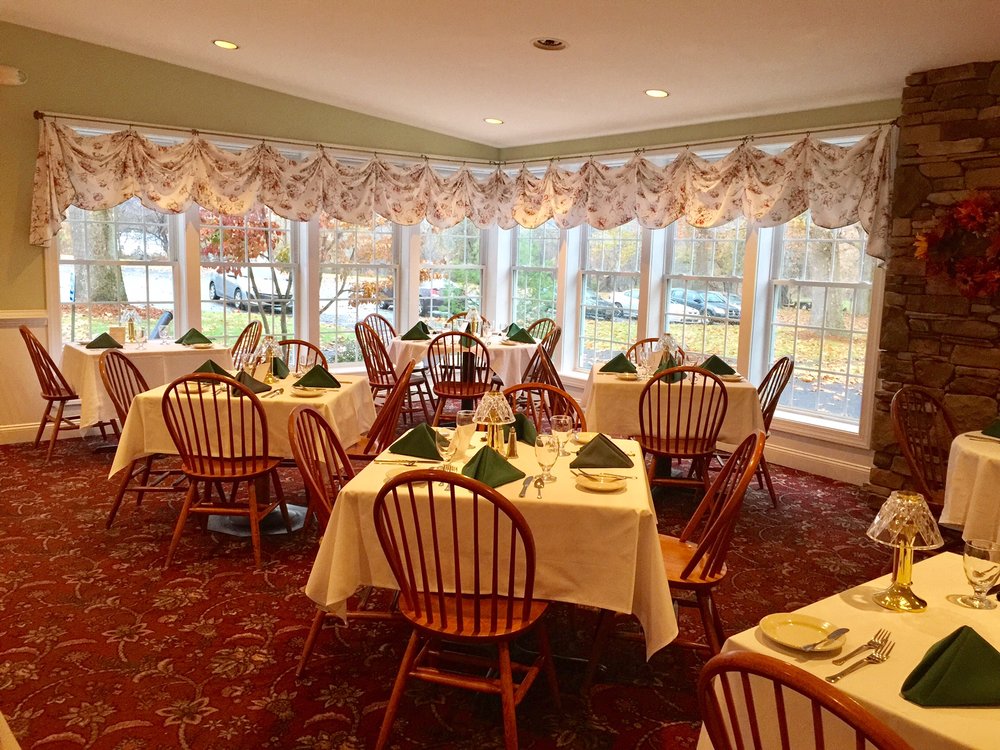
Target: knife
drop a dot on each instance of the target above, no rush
(829, 639)
(525, 486)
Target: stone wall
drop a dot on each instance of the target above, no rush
(949, 144)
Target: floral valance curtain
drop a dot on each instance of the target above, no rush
(840, 185)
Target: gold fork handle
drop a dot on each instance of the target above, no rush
(860, 649)
(853, 668)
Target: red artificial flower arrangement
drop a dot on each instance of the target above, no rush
(964, 243)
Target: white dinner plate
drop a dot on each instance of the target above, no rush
(598, 482)
(731, 378)
(306, 392)
(627, 375)
(202, 346)
(582, 438)
(795, 631)
(508, 342)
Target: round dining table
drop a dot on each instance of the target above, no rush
(507, 358)
(970, 490)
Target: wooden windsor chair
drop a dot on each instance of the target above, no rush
(459, 364)
(462, 315)
(540, 402)
(925, 430)
(769, 393)
(759, 689)
(382, 376)
(123, 382)
(641, 350)
(382, 433)
(464, 560)
(220, 430)
(302, 355)
(681, 420)
(246, 343)
(381, 326)
(540, 369)
(541, 328)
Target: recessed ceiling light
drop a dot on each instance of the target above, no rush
(549, 44)
(493, 121)
(657, 93)
(223, 44)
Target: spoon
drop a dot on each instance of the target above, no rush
(539, 483)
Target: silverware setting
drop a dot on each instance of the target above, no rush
(404, 462)
(524, 487)
(275, 392)
(881, 637)
(600, 475)
(830, 638)
(539, 483)
(983, 438)
(876, 657)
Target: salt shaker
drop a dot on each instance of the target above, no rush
(512, 443)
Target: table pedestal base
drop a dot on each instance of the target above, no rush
(272, 523)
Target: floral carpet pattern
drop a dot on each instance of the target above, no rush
(102, 648)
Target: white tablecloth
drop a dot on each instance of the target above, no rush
(877, 686)
(971, 502)
(158, 363)
(596, 549)
(349, 409)
(506, 360)
(612, 406)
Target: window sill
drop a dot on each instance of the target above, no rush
(808, 425)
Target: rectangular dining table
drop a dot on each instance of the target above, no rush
(593, 548)
(159, 364)
(611, 405)
(349, 409)
(970, 489)
(877, 686)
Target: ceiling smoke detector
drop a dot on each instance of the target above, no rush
(11, 76)
(549, 44)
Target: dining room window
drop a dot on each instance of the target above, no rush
(359, 270)
(451, 270)
(534, 272)
(609, 281)
(110, 260)
(819, 314)
(704, 277)
(247, 273)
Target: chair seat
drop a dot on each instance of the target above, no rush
(461, 390)
(676, 555)
(471, 631)
(63, 394)
(227, 471)
(678, 448)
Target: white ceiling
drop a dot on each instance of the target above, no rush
(445, 65)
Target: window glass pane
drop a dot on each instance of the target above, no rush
(704, 280)
(533, 286)
(247, 273)
(819, 316)
(358, 272)
(109, 260)
(609, 292)
(451, 273)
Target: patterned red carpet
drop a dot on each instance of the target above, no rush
(101, 648)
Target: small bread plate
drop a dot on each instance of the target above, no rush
(795, 631)
(731, 378)
(582, 438)
(627, 375)
(199, 387)
(202, 346)
(396, 471)
(508, 342)
(600, 482)
(304, 391)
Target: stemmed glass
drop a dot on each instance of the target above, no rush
(562, 426)
(465, 427)
(447, 445)
(982, 567)
(547, 453)
(140, 338)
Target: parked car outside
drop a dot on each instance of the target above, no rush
(678, 312)
(627, 303)
(442, 297)
(713, 305)
(240, 291)
(595, 306)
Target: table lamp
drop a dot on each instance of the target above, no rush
(266, 353)
(494, 412)
(904, 522)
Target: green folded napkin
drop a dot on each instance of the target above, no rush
(524, 428)
(601, 453)
(521, 336)
(104, 341)
(620, 363)
(250, 382)
(193, 336)
(420, 442)
(962, 669)
(419, 332)
(717, 366)
(278, 368)
(667, 362)
(489, 467)
(213, 367)
(318, 377)
(467, 341)
(511, 329)
(992, 429)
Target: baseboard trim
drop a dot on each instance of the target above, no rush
(825, 466)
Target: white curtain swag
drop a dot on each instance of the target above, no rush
(839, 185)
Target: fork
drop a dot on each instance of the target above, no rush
(878, 656)
(877, 640)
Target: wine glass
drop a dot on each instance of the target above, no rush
(465, 427)
(447, 445)
(547, 453)
(140, 338)
(562, 426)
(982, 567)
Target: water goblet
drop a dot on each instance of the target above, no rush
(562, 426)
(447, 445)
(140, 338)
(981, 559)
(465, 428)
(547, 453)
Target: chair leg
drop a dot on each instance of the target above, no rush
(397, 690)
(545, 649)
(41, 425)
(317, 625)
(439, 411)
(55, 430)
(252, 486)
(280, 494)
(144, 479)
(424, 392)
(762, 469)
(507, 698)
(711, 622)
(605, 624)
(121, 493)
(181, 519)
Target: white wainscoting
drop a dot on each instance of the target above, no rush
(20, 405)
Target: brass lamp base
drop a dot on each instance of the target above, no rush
(899, 598)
